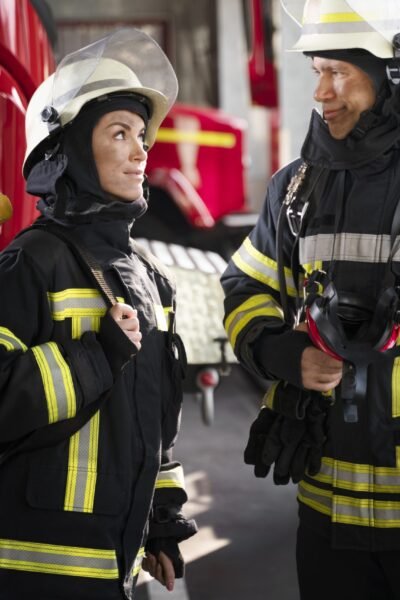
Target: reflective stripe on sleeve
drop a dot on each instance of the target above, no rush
(57, 382)
(82, 467)
(58, 560)
(171, 479)
(10, 341)
(261, 305)
(137, 564)
(260, 267)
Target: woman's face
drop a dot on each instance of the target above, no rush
(119, 154)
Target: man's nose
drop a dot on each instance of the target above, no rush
(324, 90)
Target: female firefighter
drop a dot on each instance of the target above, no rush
(312, 302)
(90, 391)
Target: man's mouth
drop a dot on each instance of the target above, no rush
(331, 114)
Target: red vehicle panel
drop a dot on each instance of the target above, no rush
(26, 59)
(206, 146)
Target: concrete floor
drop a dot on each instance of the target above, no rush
(246, 542)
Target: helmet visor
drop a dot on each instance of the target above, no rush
(132, 48)
(294, 9)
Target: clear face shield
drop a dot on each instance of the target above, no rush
(127, 61)
(145, 64)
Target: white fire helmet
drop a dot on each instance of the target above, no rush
(343, 24)
(126, 61)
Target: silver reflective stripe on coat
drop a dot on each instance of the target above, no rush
(351, 247)
(82, 467)
(58, 560)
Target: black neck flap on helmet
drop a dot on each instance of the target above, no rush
(67, 179)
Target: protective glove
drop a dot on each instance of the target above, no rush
(292, 441)
(267, 423)
(170, 547)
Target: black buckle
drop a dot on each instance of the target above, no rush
(295, 217)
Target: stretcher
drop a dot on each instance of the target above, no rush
(199, 316)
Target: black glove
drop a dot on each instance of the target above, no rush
(294, 444)
(170, 547)
(168, 527)
(259, 431)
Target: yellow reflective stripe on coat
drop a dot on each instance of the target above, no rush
(261, 305)
(10, 341)
(396, 386)
(172, 478)
(58, 560)
(161, 317)
(82, 467)
(76, 302)
(260, 267)
(137, 564)
(57, 382)
(84, 306)
(366, 512)
(359, 477)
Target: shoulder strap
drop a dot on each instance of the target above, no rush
(293, 210)
(83, 256)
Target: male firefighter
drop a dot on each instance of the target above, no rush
(312, 305)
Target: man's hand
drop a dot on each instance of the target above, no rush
(161, 569)
(126, 318)
(319, 371)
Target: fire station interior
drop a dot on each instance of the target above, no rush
(235, 123)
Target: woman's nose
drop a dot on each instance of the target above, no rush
(137, 151)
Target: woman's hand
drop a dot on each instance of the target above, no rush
(126, 318)
(160, 568)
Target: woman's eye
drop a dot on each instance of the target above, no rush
(120, 135)
(142, 137)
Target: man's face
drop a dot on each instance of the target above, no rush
(344, 91)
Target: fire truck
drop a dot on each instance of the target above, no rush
(199, 209)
